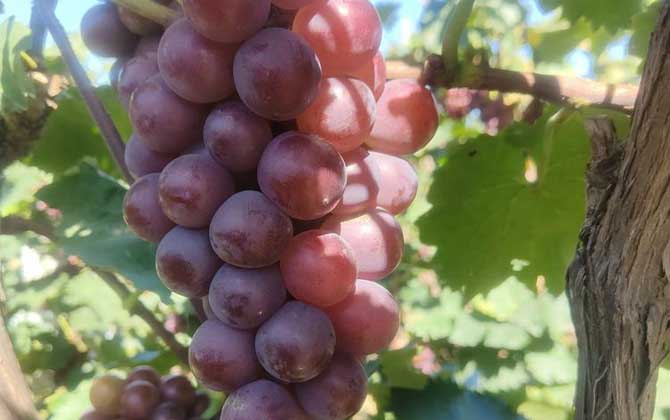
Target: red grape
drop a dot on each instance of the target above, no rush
(142, 211)
(168, 411)
(277, 74)
(264, 400)
(200, 405)
(196, 68)
(303, 175)
(295, 4)
(186, 263)
(342, 113)
(398, 183)
(143, 161)
(135, 72)
(367, 321)
(104, 34)
(249, 231)
(236, 137)
(223, 358)
(227, 21)
(105, 394)
(167, 123)
(363, 183)
(319, 268)
(296, 344)
(192, 187)
(344, 33)
(139, 399)
(178, 389)
(338, 393)
(373, 73)
(144, 373)
(458, 102)
(406, 120)
(246, 298)
(376, 239)
(148, 44)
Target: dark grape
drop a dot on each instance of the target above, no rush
(236, 137)
(246, 298)
(296, 344)
(262, 400)
(94, 415)
(398, 183)
(105, 394)
(178, 390)
(342, 113)
(141, 160)
(166, 122)
(277, 74)
(192, 187)
(250, 231)
(280, 18)
(139, 399)
(406, 119)
(134, 73)
(196, 68)
(344, 33)
(227, 21)
(373, 74)
(186, 263)
(338, 393)
(207, 308)
(144, 373)
(168, 411)
(363, 183)
(367, 321)
(375, 237)
(303, 175)
(138, 24)
(200, 405)
(496, 115)
(223, 358)
(148, 44)
(142, 211)
(104, 34)
(319, 268)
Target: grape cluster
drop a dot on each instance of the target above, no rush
(267, 150)
(145, 395)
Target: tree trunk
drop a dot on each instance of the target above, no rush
(15, 398)
(618, 287)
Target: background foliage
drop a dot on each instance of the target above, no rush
(486, 326)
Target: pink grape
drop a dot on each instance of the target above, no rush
(295, 4)
(363, 183)
(243, 298)
(142, 211)
(407, 118)
(375, 237)
(398, 182)
(227, 21)
(104, 34)
(196, 68)
(373, 73)
(344, 33)
(167, 123)
(192, 187)
(236, 137)
(143, 161)
(135, 72)
(186, 263)
(223, 358)
(264, 400)
(249, 231)
(319, 268)
(277, 74)
(342, 113)
(367, 321)
(302, 175)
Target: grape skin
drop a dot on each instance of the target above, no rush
(296, 344)
(186, 263)
(139, 399)
(373, 74)
(295, 4)
(375, 237)
(178, 390)
(407, 118)
(227, 21)
(223, 358)
(319, 268)
(142, 211)
(168, 411)
(363, 183)
(105, 394)
(104, 34)
(398, 183)
(302, 175)
(342, 113)
(147, 44)
(144, 373)
(192, 187)
(277, 74)
(244, 298)
(141, 160)
(367, 321)
(134, 73)
(264, 400)
(194, 67)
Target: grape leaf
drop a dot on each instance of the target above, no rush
(509, 205)
(611, 14)
(399, 371)
(15, 87)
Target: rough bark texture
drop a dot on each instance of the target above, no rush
(618, 287)
(15, 398)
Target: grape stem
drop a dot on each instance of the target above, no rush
(95, 107)
(456, 22)
(151, 10)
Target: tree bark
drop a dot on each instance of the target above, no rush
(617, 285)
(15, 397)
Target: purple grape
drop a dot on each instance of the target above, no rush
(148, 44)
(264, 400)
(104, 34)
(168, 411)
(144, 373)
(142, 211)
(178, 390)
(227, 21)
(143, 161)
(134, 73)
(139, 400)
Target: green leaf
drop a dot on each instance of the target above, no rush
(19, 183)
(643, 25)
(93, 227)
(538, 410)
(427, 317)
(489, 220)
(612, 14)
(557, 366)
(15, 85)
(68, 405)
(399, 371)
